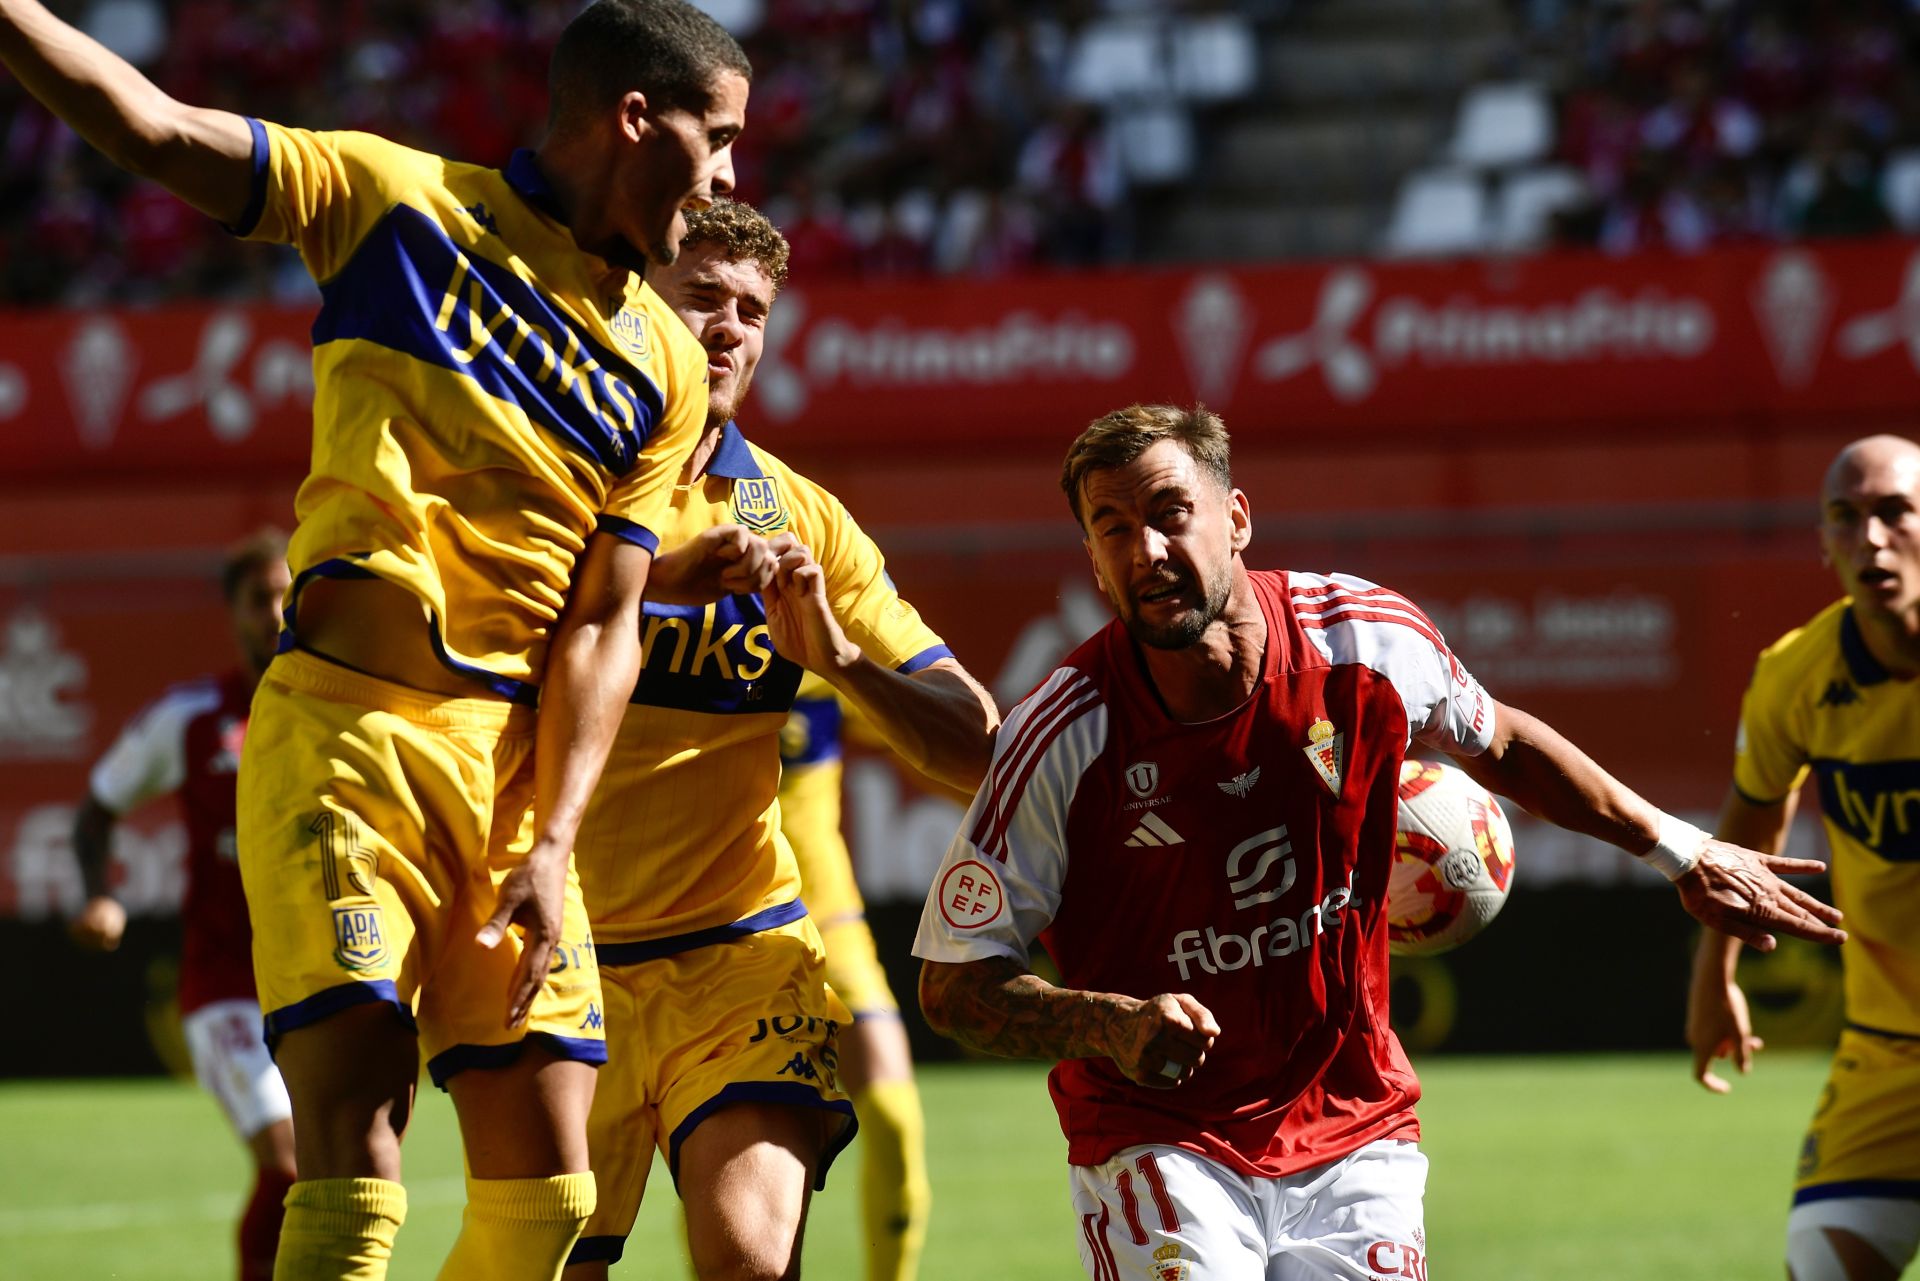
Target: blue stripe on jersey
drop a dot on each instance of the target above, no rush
(257, 182)
(673, 944)
(925, 658)
(632, 531)
(823, 717)
(409, 288)
(1896, 1189)
(1877, 803)
(713, 658)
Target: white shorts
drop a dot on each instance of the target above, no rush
(230, 1057)
(1158, 1213)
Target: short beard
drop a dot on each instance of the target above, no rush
(1186, 632)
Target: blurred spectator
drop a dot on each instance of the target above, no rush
(1702, 123)
(942, 118)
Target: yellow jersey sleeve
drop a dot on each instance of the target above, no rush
(1769, 749)
(322, 192)
(636, 506)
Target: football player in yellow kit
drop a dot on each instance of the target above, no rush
(501, 411)
(876, 1063)
(1840, 697)
(721, 1027)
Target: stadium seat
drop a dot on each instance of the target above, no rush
(1438, 212)
(1155, 143)
(1214, 57)
(1116, 60)
(1527, 202)
(1900, 188)
(1501, 125)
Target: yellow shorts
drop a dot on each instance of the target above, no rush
(375, 823)
(749, 1020)
(810, 820)
(1865, 1137)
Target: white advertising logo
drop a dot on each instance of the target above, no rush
(1268, 848)
(35, 672)
(1869, 335)
(1019, 347)
(1212, 326)
(1466, 333)
(97, 368)
(1793, 302)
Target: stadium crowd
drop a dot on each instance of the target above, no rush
(888, 138)
(1697, 123)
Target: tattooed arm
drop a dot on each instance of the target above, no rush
(998, 1006)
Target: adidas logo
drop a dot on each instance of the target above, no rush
(1153, 830)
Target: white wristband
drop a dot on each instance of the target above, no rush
(1678, 848)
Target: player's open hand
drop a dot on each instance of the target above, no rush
(1162, 1042)
(800, 620)
(1718, 1026)
(100, 925)
(531, 896)
(1739, 892)
(723, 561)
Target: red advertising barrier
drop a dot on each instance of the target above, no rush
(1748, 337)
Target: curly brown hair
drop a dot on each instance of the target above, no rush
(743, 233)
(1123, 435)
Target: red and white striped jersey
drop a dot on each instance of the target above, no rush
(1243, 861)
(187, 742)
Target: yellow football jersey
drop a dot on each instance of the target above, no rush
(480, 408)
(1819, 700)
(681, 844)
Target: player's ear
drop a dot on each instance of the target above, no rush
(635, 122)
(1241, 516)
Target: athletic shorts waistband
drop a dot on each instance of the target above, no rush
(305, 672)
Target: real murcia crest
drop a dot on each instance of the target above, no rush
(1327, 750)
(1240, 784)
(1168, 1265)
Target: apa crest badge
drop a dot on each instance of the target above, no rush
(757, 504)
(630, 330)
(360, 937)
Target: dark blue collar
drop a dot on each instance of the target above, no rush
(733, 458)
(524, 176)
(1866, 669)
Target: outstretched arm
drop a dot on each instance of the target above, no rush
(938, 719)
(593, 663)
(1718, 1025)
(1726, 887)
(998, 1006)
(203, 156)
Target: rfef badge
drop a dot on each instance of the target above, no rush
(757, 504)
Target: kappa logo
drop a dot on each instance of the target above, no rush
(1838, 694)
(1240, 784)
(1143, 778)
(594, 1020)
(1154, 831)
(479, 212)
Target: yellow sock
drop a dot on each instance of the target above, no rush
(894, 1193)
(339, 1230)
(519, 1229)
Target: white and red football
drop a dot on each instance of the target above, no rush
(1452, 860)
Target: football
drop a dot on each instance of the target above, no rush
(1452, 860)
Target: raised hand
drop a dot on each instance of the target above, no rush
(723, 561)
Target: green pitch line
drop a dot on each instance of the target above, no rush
(1596, 1166)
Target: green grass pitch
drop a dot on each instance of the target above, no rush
(1541, 1167)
